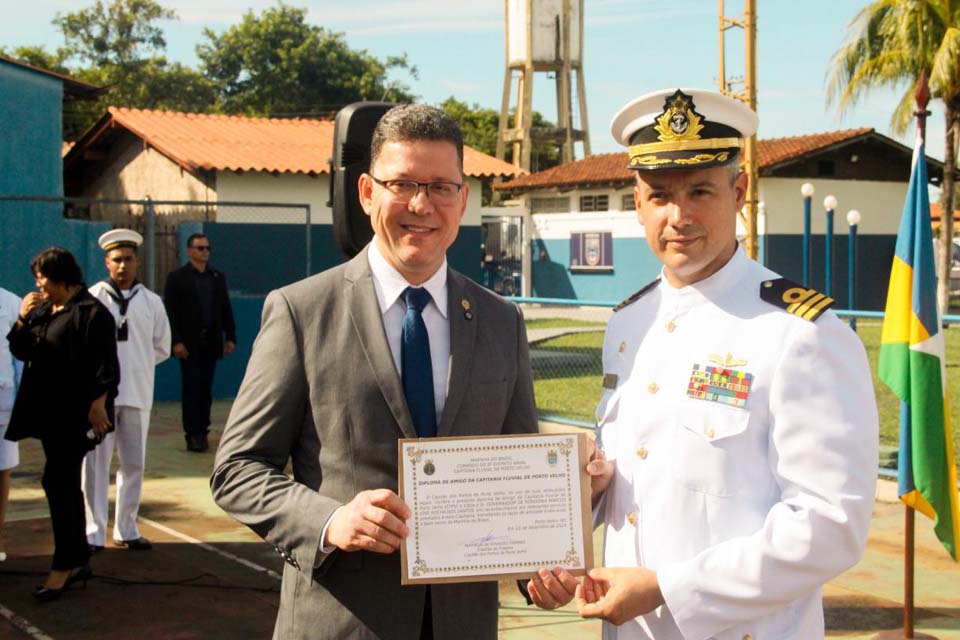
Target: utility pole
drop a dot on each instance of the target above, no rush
(748, 94)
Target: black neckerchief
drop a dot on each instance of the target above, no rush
(118, 297)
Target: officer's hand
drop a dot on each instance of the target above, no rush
(618, 594)
(600, 471)
(372, 521)
(552, 589)
(180, 351)
(228, 347)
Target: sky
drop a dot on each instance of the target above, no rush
(630, 47)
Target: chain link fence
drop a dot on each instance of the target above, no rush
(259, 245)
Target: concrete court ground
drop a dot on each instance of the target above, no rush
(210, 578)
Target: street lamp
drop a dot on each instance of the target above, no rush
(830, 204)
(853, 219)
(807, 191)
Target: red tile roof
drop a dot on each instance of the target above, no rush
(777, 150)
(240, 143)
(610, 168)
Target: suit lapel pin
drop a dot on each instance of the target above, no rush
(466, 309)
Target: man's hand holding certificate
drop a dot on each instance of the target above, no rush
(487, 508)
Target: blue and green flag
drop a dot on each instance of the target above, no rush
(912, 364)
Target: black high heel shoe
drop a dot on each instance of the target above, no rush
(49, 594)
(83, 574)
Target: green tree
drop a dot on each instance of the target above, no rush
(121, 34)
(38, 56)
(119, 44)
(890, 43)
(275, 63)
(481, 127)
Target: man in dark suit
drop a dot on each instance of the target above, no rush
(201, 321)
(338, 374)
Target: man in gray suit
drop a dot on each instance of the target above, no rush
(339, 372)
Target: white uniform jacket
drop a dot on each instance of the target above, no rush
(147, 345)
(9, 366)
(744, 506)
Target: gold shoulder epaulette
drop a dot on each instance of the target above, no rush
(795, 298)
(636, 295)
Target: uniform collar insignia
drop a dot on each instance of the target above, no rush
(728, 362)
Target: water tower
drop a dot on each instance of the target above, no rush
(544, 36)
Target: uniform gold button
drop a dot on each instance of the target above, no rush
(747, 636)
(652, 387)
(710, 432)
(623, 347)
(642, 453)
(670, 326)
(632, 518)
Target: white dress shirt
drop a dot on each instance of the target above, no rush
(390, 285)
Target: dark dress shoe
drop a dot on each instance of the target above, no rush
(140, 544)
(95, 548)
(194, 443)
(204, 442)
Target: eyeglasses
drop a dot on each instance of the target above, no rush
(442, 193)
(202, 247)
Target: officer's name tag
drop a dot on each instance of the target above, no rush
(719, 384)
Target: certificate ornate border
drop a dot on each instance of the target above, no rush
(566, 447)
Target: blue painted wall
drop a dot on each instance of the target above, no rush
(30, 165)
(634, 265)
(259, 258)
(784, 254)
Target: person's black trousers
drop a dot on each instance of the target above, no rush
(196, 375)
(61, 483)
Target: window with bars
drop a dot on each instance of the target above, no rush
(591, 251)
(627, 203)
(557, 204)
(595, 203)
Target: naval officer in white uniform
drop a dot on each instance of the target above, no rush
(737, 418)
(143, 341)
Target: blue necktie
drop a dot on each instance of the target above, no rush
(415, 367)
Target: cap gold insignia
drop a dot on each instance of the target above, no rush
(727, 362)
(679, 122)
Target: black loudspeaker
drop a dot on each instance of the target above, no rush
(352, 132)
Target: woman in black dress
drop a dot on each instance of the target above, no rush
(68, 341)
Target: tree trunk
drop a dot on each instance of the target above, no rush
(947, 204)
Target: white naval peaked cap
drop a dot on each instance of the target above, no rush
(683, 129)
(120, 238)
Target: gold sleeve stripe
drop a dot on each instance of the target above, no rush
(804, 306)
(818, 309)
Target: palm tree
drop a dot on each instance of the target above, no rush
(889, 43)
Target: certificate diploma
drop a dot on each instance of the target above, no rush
(494, 507)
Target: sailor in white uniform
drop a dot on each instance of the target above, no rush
(143, 341)
(737, 419)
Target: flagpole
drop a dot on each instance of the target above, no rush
(922, 97)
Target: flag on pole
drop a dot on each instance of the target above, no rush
(912, 364)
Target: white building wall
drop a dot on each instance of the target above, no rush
(880, 204)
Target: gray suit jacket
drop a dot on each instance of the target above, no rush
(322, 391)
